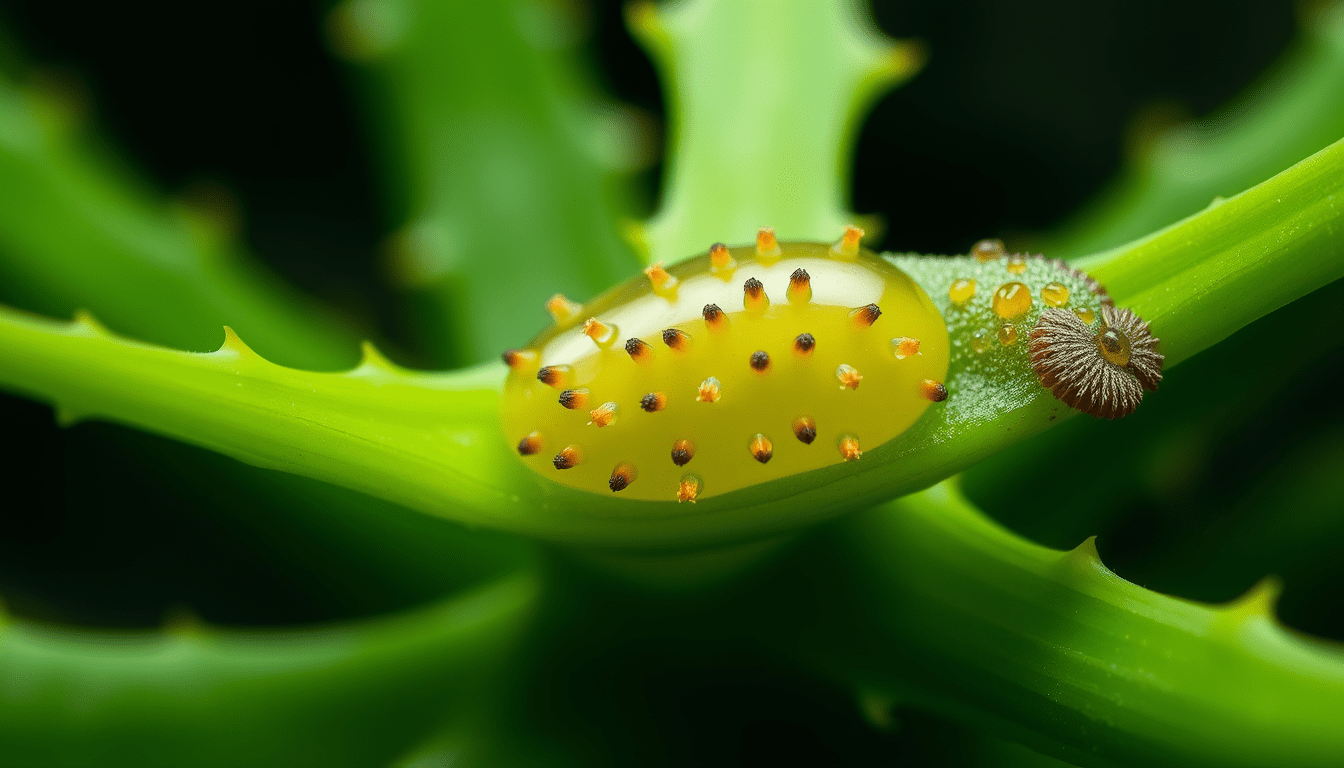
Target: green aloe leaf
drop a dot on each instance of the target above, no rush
(945, 610)
(1294, 109)
(504, 164)
(79, 232)
(346, 695)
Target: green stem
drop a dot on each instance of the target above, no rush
(945, 609)
(1198, 281)
(433, 442)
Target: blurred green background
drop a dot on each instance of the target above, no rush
(1024, 113)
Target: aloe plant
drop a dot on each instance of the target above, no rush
(879, 579)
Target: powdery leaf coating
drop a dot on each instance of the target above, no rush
(1068, 359)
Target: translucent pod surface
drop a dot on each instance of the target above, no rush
(738, 367)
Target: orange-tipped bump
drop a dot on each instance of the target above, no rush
(602, 334)
(849, 448)
(562, 309)
(904, 346)
(689, 489)
(849, 377)
(847, 247)
(767, 247)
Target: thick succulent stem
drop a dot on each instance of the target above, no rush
(944, 609)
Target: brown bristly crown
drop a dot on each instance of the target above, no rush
(1068, 361)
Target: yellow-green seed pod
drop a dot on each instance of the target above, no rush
(738, 367)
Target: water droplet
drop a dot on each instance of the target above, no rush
(1007, 335)
(961, 291)
(1055, 294)
(1114, 346)
(1012, 300)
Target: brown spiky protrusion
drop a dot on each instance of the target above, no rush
(767, 247)
(805, 429)
(800, 286)
(709, 390)
(847, 247)
(682, 452)
(603, 415)
(904, 346)
(557, 376)
(520, 359)
(715, 319)
(988, 250)
(1101, 371)
(720, 260)
(932, 390)
(849, 448)
(623, 475)
(568, 456)
(866, 315)
(574, 399)
(653, 402)
(531, 444)
(761, 448)
(753, 296)
(676, 339)
(689, 489)
(639, 350)
(849, 377)
(664, 284)
(602, 334)
(562, 309)
(804, 343)
(760, 361)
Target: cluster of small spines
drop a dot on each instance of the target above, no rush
(1012, 300)
(755, 299)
